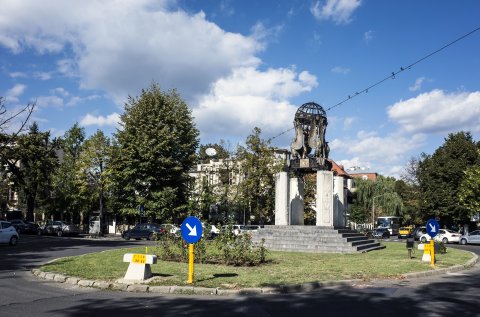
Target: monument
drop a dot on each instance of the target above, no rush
(309, 154)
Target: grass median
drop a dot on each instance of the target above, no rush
(283, 268)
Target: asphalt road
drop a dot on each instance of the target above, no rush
(21, 294)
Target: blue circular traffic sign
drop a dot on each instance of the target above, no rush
(191, 229)
(432, 227)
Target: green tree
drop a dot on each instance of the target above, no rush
(440, 176)
(154, 150)
(93, 169)
(469, 193)
(66, 187)
(258, 167)
(30, 161)
(377, 197)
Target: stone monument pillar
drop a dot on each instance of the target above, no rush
(339, 193)
(282, 199)
(325, 199)
(297, 212)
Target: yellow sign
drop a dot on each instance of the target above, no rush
(139, 258)
(426, 248)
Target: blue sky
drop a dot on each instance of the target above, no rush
(241, 64)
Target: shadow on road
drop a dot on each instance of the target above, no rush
(442, 299)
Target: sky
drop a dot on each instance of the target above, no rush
(244, 64)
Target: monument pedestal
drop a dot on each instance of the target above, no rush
(325, 199)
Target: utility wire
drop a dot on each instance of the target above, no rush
(391, 76)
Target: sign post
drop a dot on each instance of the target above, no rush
(191, 232)
(432, 230)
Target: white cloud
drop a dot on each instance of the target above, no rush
(340, 70)
(368, 36)
(49, 101)
(250, 98)
(43, 75)
(121, 46)
(13, 93)
(347, 122)
(17, 75)
(418, 84)
(438, 112)
(339, 11)
(110, 120)
(368, 146)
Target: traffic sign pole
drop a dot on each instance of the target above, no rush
(191, 229)
(190, 263)
(432, 253)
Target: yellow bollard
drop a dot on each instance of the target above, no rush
(190, 263)
(432, 253)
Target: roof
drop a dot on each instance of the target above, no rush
(339, 169)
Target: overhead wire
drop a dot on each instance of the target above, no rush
(391, 76)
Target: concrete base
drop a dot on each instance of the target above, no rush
(325, 199)
(137, 271)
(139, 268)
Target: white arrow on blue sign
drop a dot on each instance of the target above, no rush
(432, 227)
(191, 229)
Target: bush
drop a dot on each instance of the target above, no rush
(226, 249)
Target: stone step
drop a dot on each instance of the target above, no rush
(314, 239)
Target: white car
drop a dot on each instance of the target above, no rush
(8, 234)
(471, 237)
(444, 235)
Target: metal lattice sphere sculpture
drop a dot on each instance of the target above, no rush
(310, 124)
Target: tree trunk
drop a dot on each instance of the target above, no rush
(30, 207)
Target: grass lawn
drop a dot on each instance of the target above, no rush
(284, 268)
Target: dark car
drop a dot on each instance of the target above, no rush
(24, 226)
(418, 232)
(58, 228)
(147, 231)
(381, 233)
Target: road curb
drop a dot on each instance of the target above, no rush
(193, 290)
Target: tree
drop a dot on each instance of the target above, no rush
(7, 119)
(30, 161)
(440, 176)
(258, 166)
(66, 186)
(376, 198)
(92, 168)
(153, 153)
(469, 193)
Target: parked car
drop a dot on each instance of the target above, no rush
(381, 233)
(240, 229)
(24, 226)
(170, 228)
(405, 232)
(58, 228)
(144, 231)
(8, 234)
(443, 235)
(418, 231)
(471, 237)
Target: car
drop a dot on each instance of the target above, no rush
(418, 231)
(8, 234)
(58, 228)
(405, 232)
(470, 238)
(147, 231)
(24, 226)
(443, 235)
(170, 228)
(381, 233)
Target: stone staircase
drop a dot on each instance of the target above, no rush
(314, 239)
